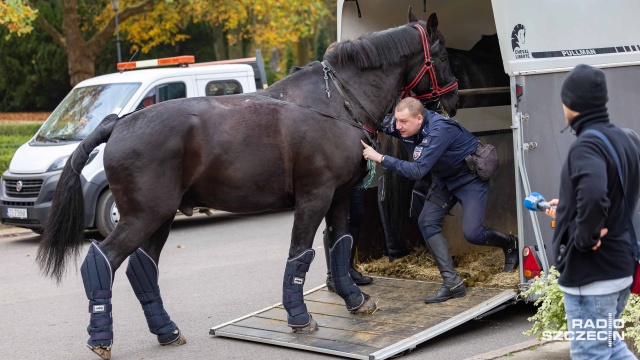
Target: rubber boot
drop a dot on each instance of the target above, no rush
(452, 284)
(508, 244)
(357, 277)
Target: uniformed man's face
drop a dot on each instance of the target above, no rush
(408, 124)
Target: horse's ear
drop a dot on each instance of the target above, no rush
(412, 16)
(432, 24)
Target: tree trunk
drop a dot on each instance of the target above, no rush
(81, 65)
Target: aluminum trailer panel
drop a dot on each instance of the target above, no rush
(402, 322)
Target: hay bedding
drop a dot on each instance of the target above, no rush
(481, 269)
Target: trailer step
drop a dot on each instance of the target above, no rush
(402, 322)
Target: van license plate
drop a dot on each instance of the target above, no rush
(17, 213)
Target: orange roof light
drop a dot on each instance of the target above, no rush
(176, 60)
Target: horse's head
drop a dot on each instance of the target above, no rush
(430, 78)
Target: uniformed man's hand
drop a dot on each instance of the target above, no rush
(370, 153)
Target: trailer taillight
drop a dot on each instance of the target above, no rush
(176, 60)
(530, 266)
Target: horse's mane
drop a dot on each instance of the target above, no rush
(378, 49)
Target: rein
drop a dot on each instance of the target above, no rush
(427, 67)
(345, 91)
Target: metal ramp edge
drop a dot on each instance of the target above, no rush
(407, 343)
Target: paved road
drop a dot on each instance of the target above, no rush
(212, 270)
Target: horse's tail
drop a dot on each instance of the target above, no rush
(64, 228)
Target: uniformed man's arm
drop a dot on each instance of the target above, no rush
(425, 155)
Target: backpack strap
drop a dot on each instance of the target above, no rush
(632, 232)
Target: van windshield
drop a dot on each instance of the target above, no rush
(83, 109)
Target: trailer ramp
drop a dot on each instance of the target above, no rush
(402, 321)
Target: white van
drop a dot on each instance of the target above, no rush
(29, 183)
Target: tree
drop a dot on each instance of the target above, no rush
(86, 26)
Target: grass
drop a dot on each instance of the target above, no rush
(12, 136)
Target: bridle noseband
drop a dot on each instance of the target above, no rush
(436, 90)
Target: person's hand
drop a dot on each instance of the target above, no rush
(603, 232)
(370, 153)
(552, 212)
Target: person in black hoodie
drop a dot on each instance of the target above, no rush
(591, 241)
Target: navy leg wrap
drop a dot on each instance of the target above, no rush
(292, 297)
(97, 276)
(344, 285)
(143, 276)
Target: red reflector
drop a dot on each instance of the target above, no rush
(530, 266)
(518, 90)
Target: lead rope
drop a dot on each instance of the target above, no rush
(371, 168)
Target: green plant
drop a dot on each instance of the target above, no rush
(631, 317)
(550, 315)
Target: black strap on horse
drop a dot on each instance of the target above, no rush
(345, 91)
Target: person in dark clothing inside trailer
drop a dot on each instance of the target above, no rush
(440, 146)
(593, 242)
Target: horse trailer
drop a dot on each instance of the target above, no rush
(539, 43)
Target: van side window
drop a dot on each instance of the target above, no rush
(162, 93)
(224, 87)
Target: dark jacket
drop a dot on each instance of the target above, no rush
(440, 147)
(590, 199)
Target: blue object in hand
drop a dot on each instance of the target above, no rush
(536, 202)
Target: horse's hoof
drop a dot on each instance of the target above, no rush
(369, 306)
(181, 340)
(103, 352)
(311, 327)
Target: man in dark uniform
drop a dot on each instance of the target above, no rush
(440, 146)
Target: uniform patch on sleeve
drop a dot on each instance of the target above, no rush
(425, 142)
(417, 152)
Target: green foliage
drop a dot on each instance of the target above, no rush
(631, 317)
(34, 69)
(550, 315)
(12, 136)
(289, 59)
(320, 44)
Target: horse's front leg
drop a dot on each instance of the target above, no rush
(310, 208)
(339, 254)
(143, 276)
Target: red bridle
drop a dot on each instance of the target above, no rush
(436, 90)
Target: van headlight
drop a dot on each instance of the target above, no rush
(58, 164)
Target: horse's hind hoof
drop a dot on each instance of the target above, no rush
(103, 352)
(369, 306)
(181, 340)
(311, 327)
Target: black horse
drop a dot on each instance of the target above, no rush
(291, 145)
(480, 67)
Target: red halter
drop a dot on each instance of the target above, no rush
(436, 90)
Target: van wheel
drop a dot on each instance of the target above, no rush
(107, 214)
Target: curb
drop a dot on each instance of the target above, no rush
(509, 349)
(13, 232)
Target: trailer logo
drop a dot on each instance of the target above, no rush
(518, 42)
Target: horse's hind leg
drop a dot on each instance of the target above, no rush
(339, 254)
(97, 271)
(143, 276)
(97, 275)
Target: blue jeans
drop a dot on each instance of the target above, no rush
(590, 319)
